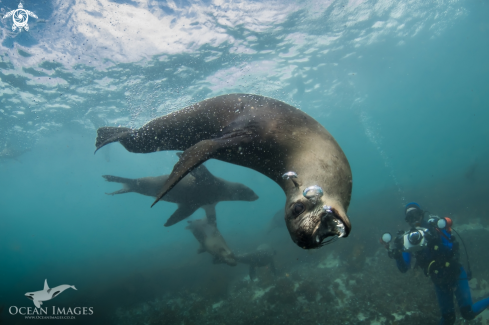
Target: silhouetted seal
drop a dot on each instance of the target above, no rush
(199, 189)
(211, 241)
(264, 134)
(261, 257)
(13, 153)
(276, 222)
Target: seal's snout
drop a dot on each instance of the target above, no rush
(332, 224)
(334, 221)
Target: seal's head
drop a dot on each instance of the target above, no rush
(313, 220)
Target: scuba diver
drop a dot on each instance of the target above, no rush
(437, 254)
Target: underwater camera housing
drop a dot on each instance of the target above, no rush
(415, 239)
(411, 241)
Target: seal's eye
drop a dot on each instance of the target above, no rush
(298, 209)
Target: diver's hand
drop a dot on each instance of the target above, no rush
(396, 248)
(395, 253)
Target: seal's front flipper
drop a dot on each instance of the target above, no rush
(210, 213)
(183, 211)
(189, 160)
(200, 173)
(126, 183)
(109, 134)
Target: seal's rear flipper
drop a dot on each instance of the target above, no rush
(189, 160)
(183, 211)
(126, 183)
(109, 134)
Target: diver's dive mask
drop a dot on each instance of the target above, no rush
(414, 215)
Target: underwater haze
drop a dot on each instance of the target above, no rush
(403, 87)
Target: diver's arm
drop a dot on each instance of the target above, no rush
(404, 262)
(403, 259)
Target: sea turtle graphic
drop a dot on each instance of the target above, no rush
(20, 17)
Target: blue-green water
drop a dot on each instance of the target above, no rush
(401, 85)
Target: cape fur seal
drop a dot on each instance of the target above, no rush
(264, 134)
(277, 221)
(9, 152)
(211, 240)
(262, 256)
(199, 189)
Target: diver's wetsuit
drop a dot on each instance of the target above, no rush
(439, 260)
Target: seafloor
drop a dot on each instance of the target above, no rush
(344, 285)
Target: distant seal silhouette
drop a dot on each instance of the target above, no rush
(264, 134)
(9, 152)
(199, 189)
(211, 241)
(276, 222)
(261, 257)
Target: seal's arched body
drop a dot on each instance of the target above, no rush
(263, 134)
(199, 189)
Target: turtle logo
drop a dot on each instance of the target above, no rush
(20, 17)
